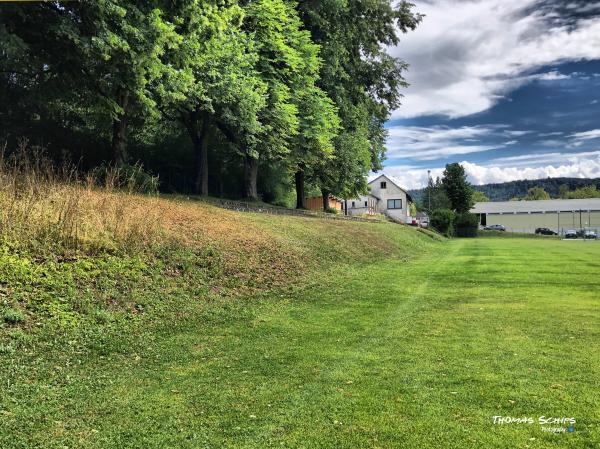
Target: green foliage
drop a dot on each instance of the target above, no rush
(345, 173)
(537, 193)
(466, 224)
(434, 197)
(288, 62)
(412, 207)
(457, 188)
(563, 191)
(480, 197)
(13, 316)
(301, 86)
(556, 187)
(132, 178)
(583, 192)
(466, 219)
(365, 88)
(442, 220)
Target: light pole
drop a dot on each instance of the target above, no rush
(429, 188)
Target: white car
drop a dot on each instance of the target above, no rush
(571, 234)
(590, 234)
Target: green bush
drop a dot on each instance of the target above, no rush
(442, 220)
(132, 178)
(13, 316)
(466, 225)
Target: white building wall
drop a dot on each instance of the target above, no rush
(359, 207)
(390, 192)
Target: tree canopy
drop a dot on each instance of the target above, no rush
(225, 97)
(537, 193)
(457, 188)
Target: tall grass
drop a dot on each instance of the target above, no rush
(48, 207)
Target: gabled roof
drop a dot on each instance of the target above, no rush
(390, 179)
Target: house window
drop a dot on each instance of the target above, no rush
(353, 204)
(366, 204)
(394, 204)
(383, 185)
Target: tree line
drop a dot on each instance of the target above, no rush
(564, 192)
(564, 188)
(258, 97)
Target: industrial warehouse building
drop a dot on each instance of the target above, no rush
(526, 216)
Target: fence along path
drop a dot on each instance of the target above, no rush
(242, 206)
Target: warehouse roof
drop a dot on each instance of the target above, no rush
(511, 207)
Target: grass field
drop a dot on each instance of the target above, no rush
(418, 351)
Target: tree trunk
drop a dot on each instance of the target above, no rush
(201, 152)
(325, 200)
(300, 194)
(119, 137)
(250, 177)
(222, 181)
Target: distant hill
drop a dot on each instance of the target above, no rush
(506, 190)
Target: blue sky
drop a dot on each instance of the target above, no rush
(509, 88)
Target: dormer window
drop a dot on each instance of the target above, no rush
(383, 185)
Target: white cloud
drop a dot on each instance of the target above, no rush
(587, 135)
(411, 177)
(516, 133)
(552, 76)
(466, 55)
(435, 142)
(553, 165)
(555, 133)
(574, 168)
(542, 158)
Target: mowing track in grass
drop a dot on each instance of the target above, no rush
(395, 354)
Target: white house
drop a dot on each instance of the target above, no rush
(385, 196)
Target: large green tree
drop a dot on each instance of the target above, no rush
(435, 196)
(217, 86)
(319, 124)
(288, 64)
(457, 188)
(109, 49)
(358, 73)
(344, 174)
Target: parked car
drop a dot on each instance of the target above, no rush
(590, 234)
(571, 234)
(496, 227)
(545, 231)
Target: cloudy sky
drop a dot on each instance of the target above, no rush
(510, 88)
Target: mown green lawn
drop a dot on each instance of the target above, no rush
(395, 354)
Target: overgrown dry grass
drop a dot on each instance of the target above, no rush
(60, 214)
(48, 208)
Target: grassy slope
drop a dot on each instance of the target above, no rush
(65, 308)
(369, 335)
